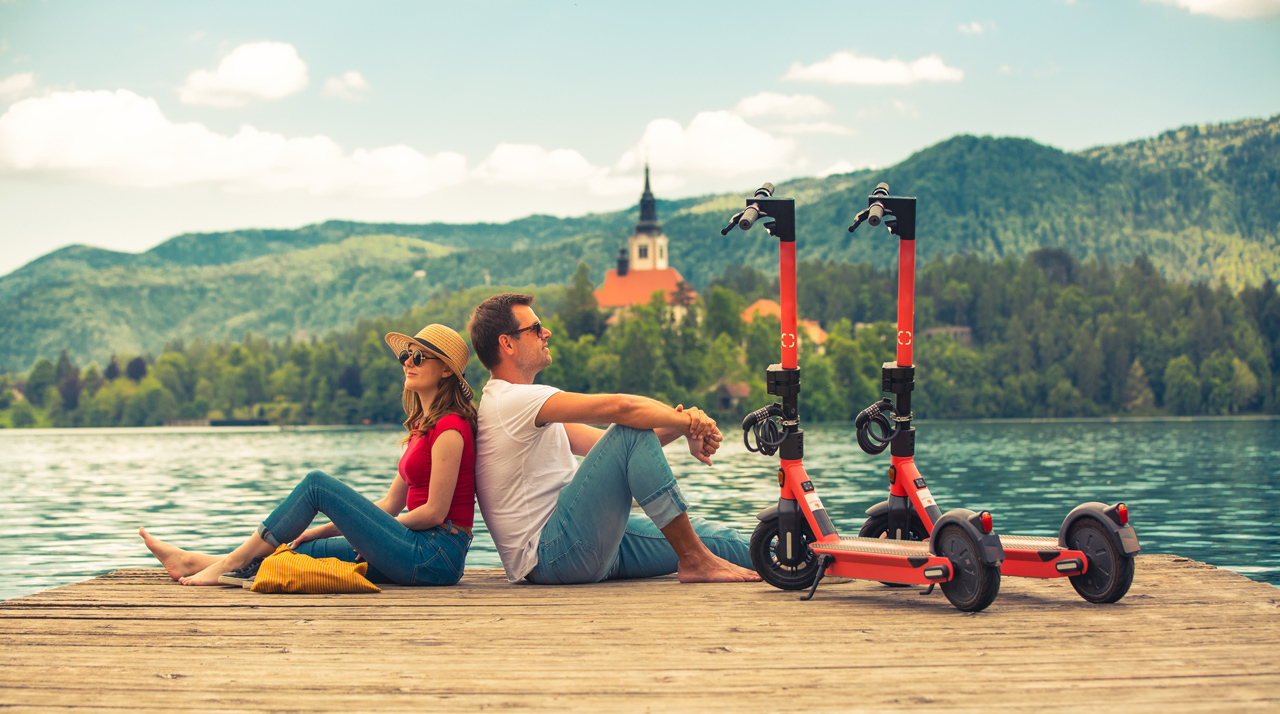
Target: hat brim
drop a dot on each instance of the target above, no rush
(400, 343)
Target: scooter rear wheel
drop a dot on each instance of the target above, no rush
(1110, 571)
(764, 556)
(974, 584)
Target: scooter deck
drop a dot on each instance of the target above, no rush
(1040, 557)
(898, 561)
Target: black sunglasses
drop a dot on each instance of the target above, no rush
(417, 355)
(535, 328)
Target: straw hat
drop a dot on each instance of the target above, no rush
(441, 341)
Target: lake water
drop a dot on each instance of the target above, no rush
(1209, 489)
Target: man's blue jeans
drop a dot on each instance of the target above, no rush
(593, 536)
(396, 554)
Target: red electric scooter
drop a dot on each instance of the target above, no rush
(796, 544)
(1095, 545)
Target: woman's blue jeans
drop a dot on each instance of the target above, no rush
(593, 536)
(396, 554)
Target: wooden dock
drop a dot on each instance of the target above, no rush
(1188, 637)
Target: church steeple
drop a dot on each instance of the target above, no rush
(648, 224)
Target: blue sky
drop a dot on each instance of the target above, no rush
(124, 123)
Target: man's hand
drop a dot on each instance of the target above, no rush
(700, 424)
(703, 448)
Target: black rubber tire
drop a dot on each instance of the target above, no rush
(1110, 571)
(878, 525)
(973, 584)
(764, 544)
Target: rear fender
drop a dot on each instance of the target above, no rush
(988, 543)
(1124, 537)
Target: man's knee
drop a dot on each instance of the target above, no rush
(629, 434)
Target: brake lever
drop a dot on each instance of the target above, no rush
(732, 223)
(858, 219)
(768, 226)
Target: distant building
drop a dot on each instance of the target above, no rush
(642, 264)
(809, 328)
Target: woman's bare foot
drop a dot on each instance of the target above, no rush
(176, 561)
(208, 576)
(714, 569)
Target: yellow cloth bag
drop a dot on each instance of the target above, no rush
(285, 571)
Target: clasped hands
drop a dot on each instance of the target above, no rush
(702, 434)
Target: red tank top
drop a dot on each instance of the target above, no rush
(415, 469)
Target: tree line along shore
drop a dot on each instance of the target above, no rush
(1041, 336)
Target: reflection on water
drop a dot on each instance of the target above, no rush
(1207, 490)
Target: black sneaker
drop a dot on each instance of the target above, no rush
(242, 577)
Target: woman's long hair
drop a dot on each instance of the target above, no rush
(448, 400)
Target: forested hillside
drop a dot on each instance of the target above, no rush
(1048, 336)
(1202, 203)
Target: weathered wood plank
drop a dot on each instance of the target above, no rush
(1188, 637)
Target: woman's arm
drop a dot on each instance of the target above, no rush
(446, 460)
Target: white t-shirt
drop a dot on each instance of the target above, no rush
(520, 470)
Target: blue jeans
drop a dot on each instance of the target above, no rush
(396, 554)
(593, 536)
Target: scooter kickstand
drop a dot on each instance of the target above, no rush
(823, 561)
(928, 590)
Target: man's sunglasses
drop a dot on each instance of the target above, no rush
(535, 328)
(417, 356)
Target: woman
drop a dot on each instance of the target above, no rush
(425, 545)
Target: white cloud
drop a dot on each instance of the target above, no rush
(350, 86)
(848, 68)
(843, 167)
(254, 72)
(820, 127)
(971, 28)
(120, 138)
(715, 143)
(16, 84)
(533, 165)
(904, 108)
(1005, 69)
(795, 106)
(1228, 9)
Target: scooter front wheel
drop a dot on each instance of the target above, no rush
(1110, 571)
(764, 556)
(877, 526)
(974, 584)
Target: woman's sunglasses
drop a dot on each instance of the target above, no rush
(417, 356)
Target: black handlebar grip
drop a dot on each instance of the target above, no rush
(766, 190)
(875, 215)
(749, 216)
(882, 189)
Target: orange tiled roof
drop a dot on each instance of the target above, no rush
(636, 286)
(767, 307)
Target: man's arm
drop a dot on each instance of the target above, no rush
(625, 409)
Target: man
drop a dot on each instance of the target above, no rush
(556, 522)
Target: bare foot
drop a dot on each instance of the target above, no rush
(714, 570)
(208, 576)
(176, 561)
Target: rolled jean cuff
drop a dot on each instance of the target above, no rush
(265, 534)
(663, 505)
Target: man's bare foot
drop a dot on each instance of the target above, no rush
(714, 569)
(176, 561)
(208, 576)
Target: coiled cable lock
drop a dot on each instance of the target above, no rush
(765, 424)
(885, 418)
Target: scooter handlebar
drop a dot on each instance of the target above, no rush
(875, 214)
(749, 217)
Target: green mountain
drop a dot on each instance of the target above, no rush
(1202, 202)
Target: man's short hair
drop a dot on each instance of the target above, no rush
(493, 318)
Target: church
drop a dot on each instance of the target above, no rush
(642, 264)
